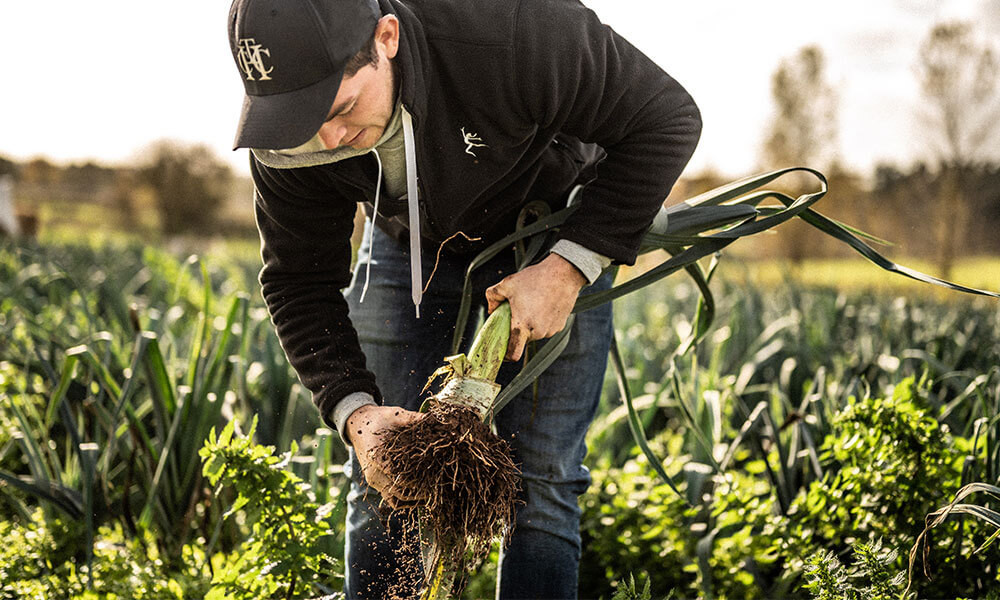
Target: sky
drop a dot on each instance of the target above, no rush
(101, 80)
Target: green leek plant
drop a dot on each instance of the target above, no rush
(689, 231)
(692, 230)
(130, 444)
(470, 382)
(110, 430)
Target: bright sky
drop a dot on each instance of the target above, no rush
(102, 79)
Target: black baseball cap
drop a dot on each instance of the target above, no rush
(291, 55)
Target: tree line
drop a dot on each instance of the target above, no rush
(943, 207)
(173, 188)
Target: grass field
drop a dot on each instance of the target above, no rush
(827, 411)
(848, 274)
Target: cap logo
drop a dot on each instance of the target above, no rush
(250, 57)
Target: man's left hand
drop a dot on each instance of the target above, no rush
(541, 298)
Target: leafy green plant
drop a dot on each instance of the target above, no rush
(882, 581)
(872, 577)
(36, 562)
(888, 464)
(97, 435)
(886, 460)
(827, 578)
(628, 590)
(290, 551)
(631, 517)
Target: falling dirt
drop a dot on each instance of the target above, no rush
(454, 474)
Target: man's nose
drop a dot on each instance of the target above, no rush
(331, 135)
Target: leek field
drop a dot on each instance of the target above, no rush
(832, 437)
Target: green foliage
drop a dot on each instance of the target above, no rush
(877, 565)
(800, 358)
(827, 578)
(33, 552)
(872, 577)
(630, 518)
(36, 563)
(117, 361)
(886, 453)
(719, 548)
(758, 423)
(888, 464)
(736, 530)
(628, 591)
(289, 551)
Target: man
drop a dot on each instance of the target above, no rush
(444, 118)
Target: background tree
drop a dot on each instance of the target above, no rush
(122, 199)
(905, 196)
(189, 183)
(804, 128)
(39, 171)
(803, 131)
(959, 80)
(8, 167)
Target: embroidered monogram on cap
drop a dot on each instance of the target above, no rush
(471, 139)
(251, 56)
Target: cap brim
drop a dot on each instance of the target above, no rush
(281, 121)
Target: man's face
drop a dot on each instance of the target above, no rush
(364, 103)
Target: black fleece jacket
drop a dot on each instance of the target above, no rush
(517, 73)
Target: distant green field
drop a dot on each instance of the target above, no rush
(849, 274)
(845, 274)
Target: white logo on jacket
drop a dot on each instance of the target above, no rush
(251, 56)
(471, 139)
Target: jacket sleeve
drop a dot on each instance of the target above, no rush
(577, 76)
(305, 236)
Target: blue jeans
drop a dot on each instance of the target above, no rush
(543, 558)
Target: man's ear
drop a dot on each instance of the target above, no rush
(387, 35)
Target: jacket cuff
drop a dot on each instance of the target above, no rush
(345, 407)
(589, 263)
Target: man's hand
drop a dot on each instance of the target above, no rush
(541, 298)
(365, 427)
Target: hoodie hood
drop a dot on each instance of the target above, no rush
(313, 154)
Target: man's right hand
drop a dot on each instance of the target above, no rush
(365, 428)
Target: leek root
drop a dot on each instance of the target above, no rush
(462, 474)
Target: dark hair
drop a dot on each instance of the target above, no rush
(368, 55)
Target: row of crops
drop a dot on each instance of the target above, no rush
(799, 447)
(810, 436)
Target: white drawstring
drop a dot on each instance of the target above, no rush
(413, 203)
(371, 229)
(413, 200)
